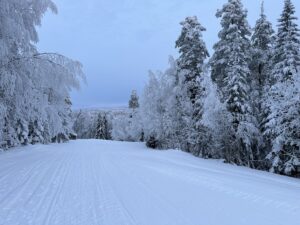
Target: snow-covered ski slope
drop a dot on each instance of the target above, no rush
(89, 182)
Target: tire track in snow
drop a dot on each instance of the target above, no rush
(221, 168)
(197, 175)
(115, 202)
(59, 179)
(137, 183)
(39, 177)
(218, 185)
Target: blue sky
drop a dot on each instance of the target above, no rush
(119, 41)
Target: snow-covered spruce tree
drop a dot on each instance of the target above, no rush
(33, 85)
(100, 127)
(283, 124)
(134, 100)
(193, 53)
(102, 130)
(231, 73)
(262, 42)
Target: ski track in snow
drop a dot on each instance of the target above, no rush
(90, 182)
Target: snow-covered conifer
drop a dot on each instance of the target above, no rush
(134, 100)
(102, 130)
(193, 53)
(230, 71)
(283, 123)
(262, 42)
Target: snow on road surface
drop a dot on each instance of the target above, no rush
(90, 182)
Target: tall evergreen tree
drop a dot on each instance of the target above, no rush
(134, 100)
(102, 130)
(283, 124)
(286, 58)
(262, 42)
(230, 71)
(193, 53)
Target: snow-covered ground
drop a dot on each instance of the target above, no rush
(89, 182)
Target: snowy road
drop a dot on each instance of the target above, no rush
(112, 183)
